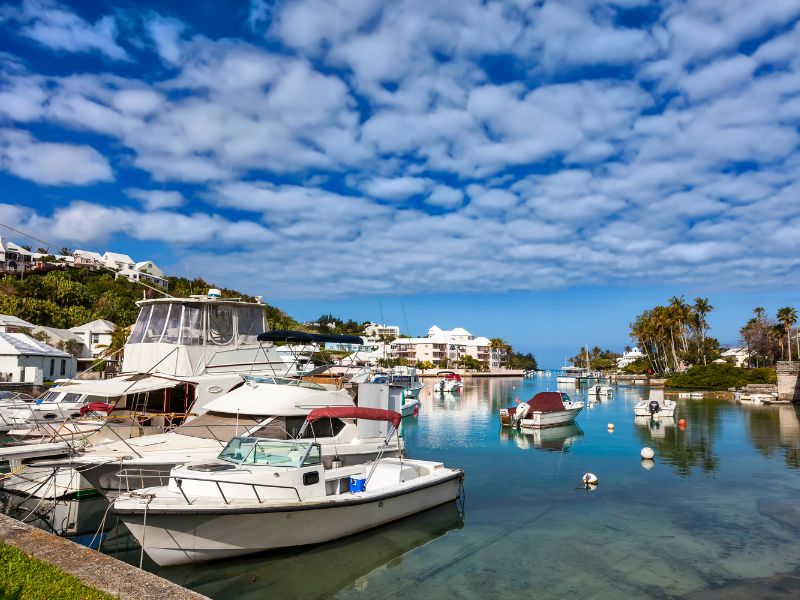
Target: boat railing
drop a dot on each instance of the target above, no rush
(179, 479)
(127, 475)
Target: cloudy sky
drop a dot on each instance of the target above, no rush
(536, 170)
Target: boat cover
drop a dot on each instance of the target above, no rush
(355, 412)
(289, 335)
(546, 402)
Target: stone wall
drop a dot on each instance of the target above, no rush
(788, 381)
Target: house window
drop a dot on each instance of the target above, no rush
(95, 338)
(63, 366)
(52, 366)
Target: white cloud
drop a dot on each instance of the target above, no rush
(157, 199)
(396, 188)
(49, 163)
(56, 27)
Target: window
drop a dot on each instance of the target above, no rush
(323, 428)
(192, 325)
(63, 366)
(250, 324)
(140, 326)
(173, 329)
(158, 321)
(220, 324)
(95, 338)
(52, 366)
(253, 451)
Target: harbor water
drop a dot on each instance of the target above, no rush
(717, 506)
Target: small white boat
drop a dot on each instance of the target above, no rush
(655, 407)
(696, 395)
(545, 409)
(601, 390)
(263, 494)
(410, 407)
(447, 381)
(684, 395)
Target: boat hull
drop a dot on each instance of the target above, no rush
(667, 409)
(550, 419)
(173, 538)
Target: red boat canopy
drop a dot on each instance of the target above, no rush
(546, 402)
(354, 412)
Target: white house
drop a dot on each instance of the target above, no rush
(115, 261)
(14, 258)
(86, 259)
(629, 357)
(71, 343)
(96, 335)
(12, 324)
(25, 359)
(442, 345)
(375, 331)
(739, 357)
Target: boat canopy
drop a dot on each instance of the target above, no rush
(117, 386)
(546, 402)
(289, 335)
(355, 412)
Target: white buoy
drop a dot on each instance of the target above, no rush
(589, 479)
(611, 427)
(648, 463)
(648, 453)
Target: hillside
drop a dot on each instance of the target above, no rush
(70, 297)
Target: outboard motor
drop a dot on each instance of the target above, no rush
(654, 407)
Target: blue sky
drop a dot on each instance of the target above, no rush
(536, 170)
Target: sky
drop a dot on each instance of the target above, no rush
(534, 170)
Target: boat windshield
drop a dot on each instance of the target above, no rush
(258, 451)
(283, 381)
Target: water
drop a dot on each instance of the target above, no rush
(719, 505)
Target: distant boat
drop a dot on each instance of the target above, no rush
(448, 381)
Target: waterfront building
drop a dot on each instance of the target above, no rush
(442, 346)
(629, 357)
(24, 359)
(376, 331)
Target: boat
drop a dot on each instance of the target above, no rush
(655, 406)
(448, 381)
(262, 494)
(696, 395)
(601, 390)
(559, 438)
(545, 409)
(407, 379)
(570, 375)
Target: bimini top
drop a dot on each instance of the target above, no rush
(288, 335)
(354, 412)
(546, 402)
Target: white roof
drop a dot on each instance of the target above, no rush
(64, 334)
(14, 321)
(458, 331)
(123, 258)
(88, 254)
(18, 344)
(96, 326)
(734, 351)
(144, 263)
(127, 271)
(117, 386)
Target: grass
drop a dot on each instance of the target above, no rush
(23, 577)
(720, 377)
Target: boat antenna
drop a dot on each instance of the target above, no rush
(405, 320)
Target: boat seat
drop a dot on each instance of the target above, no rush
(343, 472)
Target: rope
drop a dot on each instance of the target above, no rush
(144, 529)
(10, 474)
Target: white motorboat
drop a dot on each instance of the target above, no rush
(545, 409)
(273, 407)
(406, 377)
(601, 390)
(262, 494)
(448, 382)
(655, 406)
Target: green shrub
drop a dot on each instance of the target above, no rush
(720, 376)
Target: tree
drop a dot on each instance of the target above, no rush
(701, 308)
(788, 317)
(525, 362)
(470, 362)
(65, 251)
(424, 365)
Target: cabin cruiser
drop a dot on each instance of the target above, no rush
(239, 503)
(182, 354)
(448, 381)
(545, 409)
(655, 407)
(264, 407)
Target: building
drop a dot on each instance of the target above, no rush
(96, 335)
(145, 271)
(86, 259)
(117, 262)
(629, 357)
(25, 359)
(12, 324)
(738, 357)
(14, 258)
(72, 343)
(442, 347)
(376, 332)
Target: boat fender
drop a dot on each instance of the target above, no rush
(416, 409)
(589, 479)
(521, 412)
(654, 407)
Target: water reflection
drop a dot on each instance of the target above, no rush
(549, 439)
(775, 429)
(77, 519)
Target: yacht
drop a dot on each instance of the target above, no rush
(260, 494)
(545, 409)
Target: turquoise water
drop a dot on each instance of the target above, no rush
(718, 505)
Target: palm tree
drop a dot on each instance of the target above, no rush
(788, 317)
(701, 308)
(759, 311)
